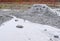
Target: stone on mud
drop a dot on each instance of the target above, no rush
(19, 26)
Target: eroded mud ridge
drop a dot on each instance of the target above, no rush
(4, 18)
(40, 13)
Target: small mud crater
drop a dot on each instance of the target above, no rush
(16, 20)
(45, 29)
(29, 38)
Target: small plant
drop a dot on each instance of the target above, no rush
(0, 6)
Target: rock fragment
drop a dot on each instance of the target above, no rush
(55, 36)
(19, 26)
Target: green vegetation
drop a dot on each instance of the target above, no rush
(19, 6)
(14, 5)
(17, 0)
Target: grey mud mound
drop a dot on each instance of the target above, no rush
(42, 14)
(4, 18)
